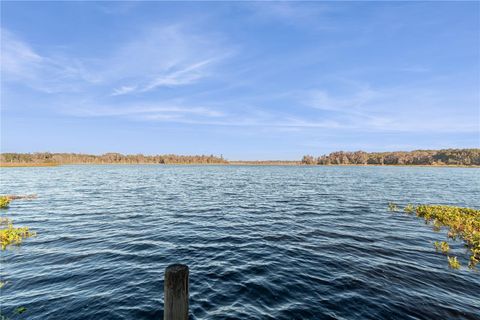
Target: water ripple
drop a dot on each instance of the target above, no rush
(261, 242)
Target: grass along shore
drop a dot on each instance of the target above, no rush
(16, 165)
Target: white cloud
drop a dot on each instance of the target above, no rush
(22, 64)
(165, 56)
(173, 56)
(123, 90)
(322, 99)
(188, 75)
(312, 15)
(116, 7)
(404, 108)
(138, 110)
(17, 58)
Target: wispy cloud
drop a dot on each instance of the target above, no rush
(165, 56)
(414, 69)
(123, 90)
(17, 57)
(162, 111)
(180, 73)
(395, 109)
(187, 75)
(312, 15)
(116, 7)
(322, 99)
(22, 64)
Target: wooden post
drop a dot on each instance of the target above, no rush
(176, 292)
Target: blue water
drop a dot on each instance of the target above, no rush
(261, 242)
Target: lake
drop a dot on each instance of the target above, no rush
(262, 242)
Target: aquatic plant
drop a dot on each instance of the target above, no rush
(437, 225)
(444, 247)
(462, 223)
(409, 208)
(392, 206)
(20, 310)
(441, 246)
(10, 235)
(4, 201)
(453, 262)
(473, 262)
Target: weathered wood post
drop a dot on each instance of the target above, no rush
(176, 292)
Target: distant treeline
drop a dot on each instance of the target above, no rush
(459, 157)
(76, 158)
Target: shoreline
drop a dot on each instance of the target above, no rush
(232, 163)
(17, 165)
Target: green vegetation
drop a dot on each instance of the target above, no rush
(453, 263)
(409, 208)
(456, 157)
(4, 202)
(462, 223)
(442, 246)
(11, 235)
(392, 206)
(20, 310)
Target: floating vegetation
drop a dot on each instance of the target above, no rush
(409, 208)
(453, 263)
(473, 261)
(4, 221)
(462, 223)
(4, 202)
(441, 246)
(10, 235)
(436, 225)
(392, 206)
(20, 310)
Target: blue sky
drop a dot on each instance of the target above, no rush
(249, 80)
